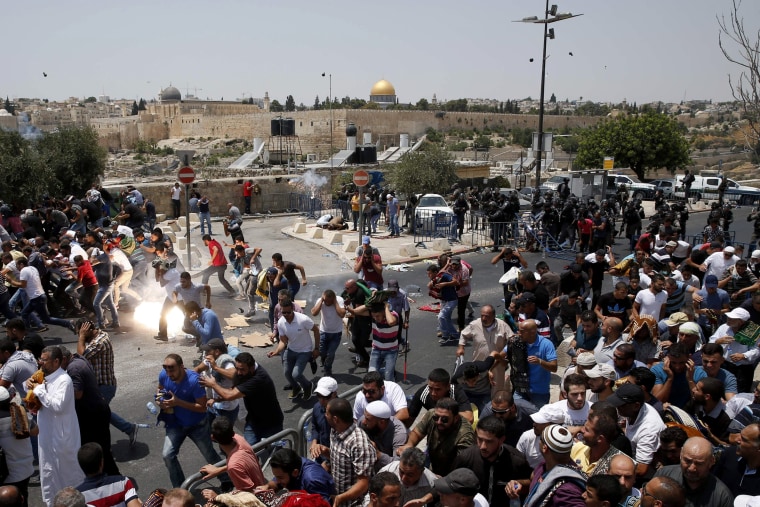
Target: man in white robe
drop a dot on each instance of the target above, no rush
(59, 430)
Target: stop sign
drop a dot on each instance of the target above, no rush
(361, 178)
(186, 175)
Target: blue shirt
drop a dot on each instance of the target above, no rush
(587, 342)
(679, 390)
(313, 479)
(725, 376)
(320, 430)
(189, 390)
(448, 293)
(208, 326)
(538, 376)
(715, 302)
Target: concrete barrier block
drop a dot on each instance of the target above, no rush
(350, 245)
(315, 233)
(299, 227)
(300, 220)
(182, 221)
(408, 250)
(441, 245)
(469, 240)
(181, 243)
(336, 237)
(160, 217)
(195, 218)
(171, 236)
(174, 226)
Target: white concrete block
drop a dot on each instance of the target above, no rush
(299, 227)
(350, 246)
(174, 226)
(160, 217)
(299, 220)
(171, 236)
(195, 218)
(441, 245)
(315, 233)
(182, 221)
(181, 243)
(408, 250)
(336, 237)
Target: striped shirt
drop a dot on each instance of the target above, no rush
(99, 352)
(385, 336)
(108, 490)
(351, 455)
(676, 299)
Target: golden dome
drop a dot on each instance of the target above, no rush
(382, 87)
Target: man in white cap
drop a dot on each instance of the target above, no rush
(754, 262)
(740, 355)
(326, 390)
(584, 361)
(718, 262)
(383, 430)
(556, 481)
(530, 442)
(601, 378)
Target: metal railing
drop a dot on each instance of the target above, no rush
(430, 225)
(295, 436)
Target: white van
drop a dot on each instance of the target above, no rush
(706, 187)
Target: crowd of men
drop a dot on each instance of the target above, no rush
(656, 407)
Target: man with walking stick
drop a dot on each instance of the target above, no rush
(399, 303)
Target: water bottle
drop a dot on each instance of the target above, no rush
(307, 432)
(515, 502)
(142, 425)
(152, 408)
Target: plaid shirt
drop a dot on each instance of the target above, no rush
(351, 455)
(99, 352)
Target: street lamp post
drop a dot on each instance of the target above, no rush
(329, 98)
(550, 16)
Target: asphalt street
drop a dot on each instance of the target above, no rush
(139, 356)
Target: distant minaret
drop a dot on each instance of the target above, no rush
(434, 101)
(266, 102)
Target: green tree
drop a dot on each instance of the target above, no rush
(290, 103)
(317, 103)
(90, 99)
(24, 174)
(135, 109)
(75, 157)
(142, 106)
(482, 142)
(553, 99)
(430, 170)
(276, 107)
(9, 106)
(459, 105)
(641, 142)
(422, 104)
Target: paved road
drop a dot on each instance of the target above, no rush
(139, 356)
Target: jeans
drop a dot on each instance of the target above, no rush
(539, 400)
(293, 289)
(231, 415)
(247, 203)
(384, 359)
(103, 296)
(205, 220)
(8, 309)
(38, 305)
(5, 309)
(373, 222)
(117, 421)
(395, 231)
(328, 345)
(176, 207)
(219, 270)
(462, 310)
(445, 324)
(175, 436)
(293, 367)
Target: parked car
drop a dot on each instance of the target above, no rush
(667, 186)
(636, 189)
(555, 181)
(528, 192)
(706, 187)
(430, 204)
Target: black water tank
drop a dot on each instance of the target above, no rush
(370, 154)
(276, 123)
(288, 127)
(351, 130)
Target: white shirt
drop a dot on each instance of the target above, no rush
(650, 303)
(717, 263)
(750, 354)
(77, 250)
(572, 417)
(300, 337)
(329, 320)
(120, 259)
(693, 281)
(737, 404)
(33, 284)
(394, 396)
(644, 434)
(172, 279)
(528, 445)
(682, 250)
(176, 192)
(644, 280)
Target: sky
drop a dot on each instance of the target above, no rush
(639, 51)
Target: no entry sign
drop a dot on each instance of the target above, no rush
(361, 178)
(186, 175)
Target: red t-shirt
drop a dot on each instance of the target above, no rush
(219, 259)
(247, 189)
(86, 275)
(584, 225)
(368, 269)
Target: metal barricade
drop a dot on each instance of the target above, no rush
(306, 204)
(430, 225)
(271, 202)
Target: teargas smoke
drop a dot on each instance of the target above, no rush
(310, 182)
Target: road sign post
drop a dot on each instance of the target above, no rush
(186, 175)
(361, 179)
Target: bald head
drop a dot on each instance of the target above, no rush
(696, 461)
(528, 330)
(10, 497)
(667, 490)
(613, 325)
(698, 447)
(623, 467)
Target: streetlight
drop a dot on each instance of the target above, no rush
(548, 34)
(329, 98)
